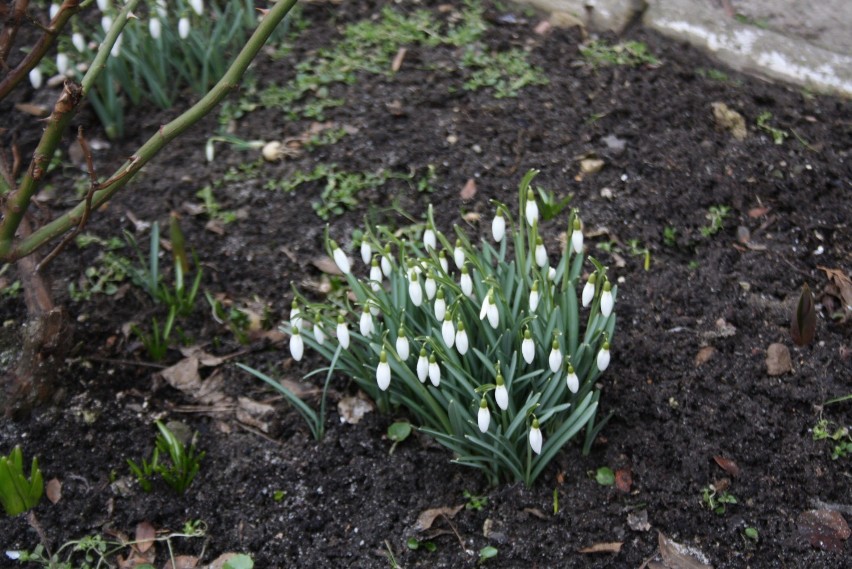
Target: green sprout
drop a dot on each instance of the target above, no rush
(19, 493)
(840, 436)
(715, 500)
(778, 135)
(605, 476)
(474, 501)
(486, 553)
(398, 432)
(180, 470)
(716, 217)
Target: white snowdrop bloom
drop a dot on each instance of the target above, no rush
(13, 554)
(430, 285)
(442, 259)
(415, 291)
(465, 283)
(440, 305)
(458, 254)
(536, 439)
(340, 259)
(551, 274)
(589, 290)
(501, 394)
(297, 345)
(486, 302)
(462, 342)
(296, 316)
(498, 226)
(54, 9)
(571, 380)
(209, 150)
(422, 366)
(577, 237)
(35, 77)
(103, 5)
(540, 253)
(534, 296)
(197, 6)
(528, 347)
(386, 261)
(531, 210)
(607, 301)
(383, 372)
(448, 332)
(483, 418)
(116, 47)
(430, 241)
(342, 333)
(184, 28)
(434, 371)
(62, 63)
(155, 28)
(162, 9)
(375, 276)
(366, 251)
(106, 23)
(555, 359)
(603, 357)
(319, 333)
(402, 346)
(374, 309)
(79, 41)
(493, 312)
(366, 323)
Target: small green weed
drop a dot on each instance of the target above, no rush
(506, 72)
(713, 74)
(751, 534)
(670, 236)
(486, 553)
(184, 462)
(414, 544)
(212, 208)
(397, 433)
(840, 436)
(716, 501)
(632, 53)
(778, 135)
(475, 501)
(716, 216)
(19, 493)
(605, 476)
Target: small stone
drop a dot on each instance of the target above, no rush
(730, 120)
(614, 143)
(778, 360)
(607, 193)
(591, 165)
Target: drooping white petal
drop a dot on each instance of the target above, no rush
(342, 334)
(589, 291)
(466, 283)
(116, 47)
(79, 41)
(462, 342)
(297, 345)
(572, 381)
(445, 265)
(534, 297)
(386, 263)
(35, 77)
(103, 5)
(501, 396)
(531, 210)
(603, 357)
(383, 372)
(448, 332)
(375, 276)
(402, 347)
(607, 301)
(106, 23)
(536, 439)
(440, 307)
(434, 372)
(483, 311)
(577, 241)
(296, 320)
(551, 274)
(366, 323)
(493, 315)
(458, 255)
(54, 9)
(340, 259)
(555, 359)
(155, 28)
(319, 333)
(415, 291)
(429, 239)
(483, 418)
(422, 367)
(62, 63)
(430, 285)
(540, 254)
(184, 28)
(366, 251)
(498, 226)
(528, 348)
(197, 6)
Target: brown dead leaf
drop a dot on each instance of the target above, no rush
(53, 490)
(251, 413)
(398, 59)
(216, 226)
(704, 355)
(542, 28)
(728, 465)
(638, 521)
(469, 190)
(623, 480)
(428, 517)
(758, 211)
(353, 409)
(472, 217)
(182, 562)
(824, 529)
(535, 512)
(203, 357)
(32, 109)
(327, 265)
(842, 282)
(778, 360)
(677, 556)
(145, 534)
(183, 375)
(603, 547)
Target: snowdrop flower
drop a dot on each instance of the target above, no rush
(429, 239)
(589, 290)
(197, 6)
(528, 347)
(375, 276)
(571, 380)
(106, 23)
(447, 330)
(386, 261)
(340, 258)
(555, 359)
(551, 274)
(155, 28)
(489, 309)
(415, 291)
(402, 347)
(319, 333)
(442, 258)
(430, 285)
(540, 253)
(535, 437)
(103, 5)
(462, 342)
(79, 41)
(534, 297)
(458, 254)
(162, 9)
(603, 357)
(440, 305)
(366, 251)
(54, 9)
(434, 371)
(183, 27)
(577, 237)
(297, 345)
(366, 323)
(498, 226)
(531, 210)
(422, 366)
(35, 77)
(209, 150)
(342, 333)
(607, 301)
(483, 417)
(383, 372)
(501, 394)
(465, 282)
(295, 316)
(116, 47)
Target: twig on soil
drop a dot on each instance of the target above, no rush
(127, 362)
(455, 531)
(259, 433)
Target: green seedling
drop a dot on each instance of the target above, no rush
(716, 216)
(605, 476)
(486, 553)
(549, 205)
(751, 534)
(414, 544)
(637, 250)
(279, 495)
(716, 501)
(475, 501)
(19, 493)
(504, 72)
(632, 53)
(840, 436)
(157, 341)
(241, 561)
(237, 321)
(555, 501)
(183, 463)
(778, 135)
(670, 236)
(803, 322)
(213, 208)
(397, 433)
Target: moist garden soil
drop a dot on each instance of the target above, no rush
(688, 383)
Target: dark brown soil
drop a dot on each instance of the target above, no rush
(346, 499)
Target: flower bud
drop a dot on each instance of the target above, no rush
(551, 274)
(197, 6)
(484, 416)
(62, 63)
(116, 47)
(366, 322)
(577, 237)
(35, 77)
(534, 297)
(375, 275)
(531, 210)
(340, 258)
(442, 259)
(465, 282)
(440, 305)
(342, 333)
(555, 359)
(209, 150)
(297, 345)
(319, 333)
(589, 290)
(54, 9)
(402, 347)
(103, 5)
(448, 333)
(295, 316)
(155, 28)
(536, 439)
(79, 41)
(383, 372)
(434, 371)
(422, 366)
(458, 254)
(462, 342)
(184, 27)
(498, 226)
(386, 261)
(429, 239)
(528, 347)
(540, 253)
(603, 357)
(106, 23)
(366, 251)
(607, 301)
(501, 394)
(415, 291)
(571, 380)
(430, 285)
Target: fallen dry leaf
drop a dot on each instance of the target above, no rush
(398, 59)
(32, 109)
(638, 521)
(623, 480)
(183, 375)
(53, 490)
(605, 547)
(472, 217)
(428, 517)
(778, 360)
(182, 562)
(730, 120)
(704, 355)
(824, 529)
(145, 534)
(536, 512)
(469, 190)
(728, 465)
(677, 556)
(842, 282)
(758, 211)
(203, 357)
(327, 265)
(353, 409)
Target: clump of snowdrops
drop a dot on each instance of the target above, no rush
(483, 345)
